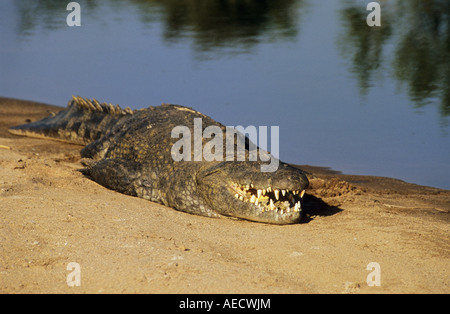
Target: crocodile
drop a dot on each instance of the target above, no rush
(130, 151)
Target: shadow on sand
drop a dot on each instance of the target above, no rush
(315, 206)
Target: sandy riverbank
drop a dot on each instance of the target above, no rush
(51, 215)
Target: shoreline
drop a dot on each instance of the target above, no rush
(51, 215)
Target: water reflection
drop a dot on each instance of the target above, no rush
(413, 41)
(42, 14)
(413, 44)
(235, 24)
(363, 45)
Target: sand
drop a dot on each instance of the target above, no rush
(51, 216)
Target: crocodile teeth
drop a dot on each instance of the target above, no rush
(269, 199)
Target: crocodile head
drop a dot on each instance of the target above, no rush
(240, 189)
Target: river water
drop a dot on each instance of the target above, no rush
(359, 99)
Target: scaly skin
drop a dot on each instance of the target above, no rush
(130, 152)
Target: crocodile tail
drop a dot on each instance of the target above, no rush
(82, 122)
